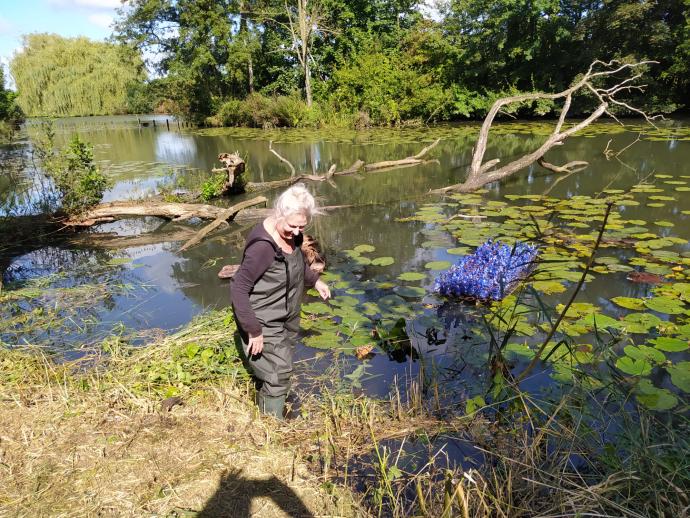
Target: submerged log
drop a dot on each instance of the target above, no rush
(106, 212)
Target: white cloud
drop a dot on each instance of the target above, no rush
(102, 20)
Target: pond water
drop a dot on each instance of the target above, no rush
(148, 285)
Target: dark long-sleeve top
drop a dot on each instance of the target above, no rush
(257, 258)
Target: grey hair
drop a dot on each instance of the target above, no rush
(296, 200)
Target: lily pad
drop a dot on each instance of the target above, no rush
(640, 322)
(680, 375)
(666, 305)
(634, 367)
(460, 250)
(410, 291)
(655, 398)
(382, 261)
(671, 345)
(411, 276)
(548, 287)
(629, 303)
(437, 265)
(363, 249)
(317, 308)
(644, 352)
(664, 223)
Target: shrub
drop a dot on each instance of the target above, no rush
(78, 180)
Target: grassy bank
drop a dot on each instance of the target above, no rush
(104, 438)
(167, 430)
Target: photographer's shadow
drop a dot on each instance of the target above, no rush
(233, 498)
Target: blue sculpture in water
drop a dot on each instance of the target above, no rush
(490, 273)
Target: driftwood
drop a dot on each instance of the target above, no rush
(220, 220)
(481, 173)
(412, 160)
(234, 169)
(106, 212)
(570, 167)
(356, 167)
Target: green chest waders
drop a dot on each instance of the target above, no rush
(276, 299)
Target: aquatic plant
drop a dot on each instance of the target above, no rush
(491, 272)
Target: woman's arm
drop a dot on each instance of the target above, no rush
(257, 259)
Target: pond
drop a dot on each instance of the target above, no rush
(387, 246)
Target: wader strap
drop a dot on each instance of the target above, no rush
(279, 256)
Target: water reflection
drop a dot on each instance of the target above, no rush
(141, 160)
(175, 148)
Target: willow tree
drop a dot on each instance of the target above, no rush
(74, 76)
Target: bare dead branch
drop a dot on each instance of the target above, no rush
(222, 218)
(481, 173)
(571, 167)
(285, 160)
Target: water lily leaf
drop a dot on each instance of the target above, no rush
(600, 321)
(363, 249)
(640, 322)
(629, 303)
(410, 291)
(460, 250)
(343, 300)
(548, 287)
(634, 367)
(411, 276)
(362, 260)
(351, 253)
(354, 291)
(664, 223)
(656, 205)
(383, 261)
(322, 341)
(680, 375)
(437, 265)
(518, 350)
(386, 285)
(644, 352)
(671, 345)
(666, 305)
(317, 308)
(655, 398)
(577, 309)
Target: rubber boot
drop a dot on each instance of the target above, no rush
(271, 405)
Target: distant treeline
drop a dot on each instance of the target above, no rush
(352, 62)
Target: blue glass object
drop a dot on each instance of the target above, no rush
(490, 273)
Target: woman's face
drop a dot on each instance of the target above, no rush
(290, 226)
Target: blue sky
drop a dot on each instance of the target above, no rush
(70, 18)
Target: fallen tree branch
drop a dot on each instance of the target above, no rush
(221, 219)
(480, 173)
(571, 167)
(282, 159)
(106, 212)
(411, 160)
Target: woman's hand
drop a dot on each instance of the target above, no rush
(256, 345)
(323, 289)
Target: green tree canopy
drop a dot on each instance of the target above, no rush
(74, 76)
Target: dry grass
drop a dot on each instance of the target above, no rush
(74, 445)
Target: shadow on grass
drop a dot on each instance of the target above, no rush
(234, 496)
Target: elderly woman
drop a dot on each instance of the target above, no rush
(267, 293)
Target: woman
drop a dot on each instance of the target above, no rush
(266, 294)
